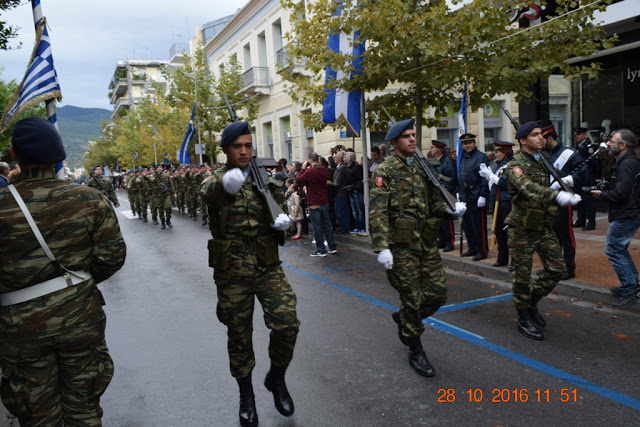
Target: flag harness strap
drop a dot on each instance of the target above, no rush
(67, 278)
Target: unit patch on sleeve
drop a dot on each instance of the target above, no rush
(379, 181)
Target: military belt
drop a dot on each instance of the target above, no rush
(71, 278)
(245, 245)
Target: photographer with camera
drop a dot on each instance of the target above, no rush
(624, 214)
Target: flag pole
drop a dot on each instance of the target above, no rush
(50, 104)
(365, 161)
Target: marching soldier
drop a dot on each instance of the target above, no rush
(54, 357)
(103, 185)
(404, 205)
(533, 214)
(144, 188)
(163, 193)
(131, 191)
(244, 256)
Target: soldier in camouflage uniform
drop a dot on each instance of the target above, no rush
(194, 188)
(164, 192)
(204, 173)
(533, 214)
(404, 216)
(53, 353)
(179, 182)
(132, 191)
(244, 256)
(144, 189)
(103, 185)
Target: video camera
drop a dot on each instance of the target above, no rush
(601, 186)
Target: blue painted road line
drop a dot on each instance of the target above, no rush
(482, 342)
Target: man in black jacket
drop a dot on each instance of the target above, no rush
(624, 214)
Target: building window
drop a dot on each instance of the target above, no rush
(267, 132)
(492, 124)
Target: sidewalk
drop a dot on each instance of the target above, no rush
(594, 274)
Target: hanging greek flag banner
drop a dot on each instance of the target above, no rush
(40, 82)
(339, 103)
(462, 124)
(185, 159)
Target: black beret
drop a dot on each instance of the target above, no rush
(525, 129)
(234, 130)
(96, 167)
(438, 144)
(397, 129)
(36, 140)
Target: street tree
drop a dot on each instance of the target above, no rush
(420, 54)
(7, 32)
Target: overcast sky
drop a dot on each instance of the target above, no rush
(88, 38)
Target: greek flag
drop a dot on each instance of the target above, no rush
(185, 159)
(106, 170)
(462, 124)
(338, 102)
(40, 82)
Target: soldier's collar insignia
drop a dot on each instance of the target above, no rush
(537, 156)
(245, 173)
(409, 161)
(517, 171)
(379, 181)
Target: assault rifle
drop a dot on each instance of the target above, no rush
(544, 156)
(166, 187)
(257, 168)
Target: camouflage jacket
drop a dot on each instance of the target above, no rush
(161, 185)
(421, 202)
(82, 231)
(103, 185)
(241, 218)
(534, 204)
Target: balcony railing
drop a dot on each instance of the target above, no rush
(282, 61)
(257, 79)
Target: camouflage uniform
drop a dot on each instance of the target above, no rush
(244, 256)
(201, 203)
(145, 193)
(103, 185)
(417, 272)
(533, 214)
(179, 182)
(52, 348)
(163, 191)
(132, 193)
(193, 189)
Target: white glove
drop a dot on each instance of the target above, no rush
(232, 181)
(461, 208)
(481, 202)
(565, 198)
(282, 222)
(484, 171)
(386, 258)
(567, 180)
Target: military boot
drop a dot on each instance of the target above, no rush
(274, 382)
(163, 225)
(169, 223)
(418, 359)
(204, 219)
(139, 215)
(154, 219)
(195, 216)
(396, 318)
(526, 326)
(537, 319)
(144, 218)
(248, 414)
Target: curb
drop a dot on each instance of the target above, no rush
(569, 288)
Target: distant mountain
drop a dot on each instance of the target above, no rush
(77, 127)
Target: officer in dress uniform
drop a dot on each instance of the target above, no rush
(246, 265)
(533, 214)
(499, 193)
(404, 205)
(473, 190)
(447, 168)
(566, 160)
(587, 208)
(53, 353)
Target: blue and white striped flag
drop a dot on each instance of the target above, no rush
(40, 82)
(338, 102)
(185, 159)
(462, 124)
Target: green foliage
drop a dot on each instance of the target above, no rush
(7, 32)
(427, 51)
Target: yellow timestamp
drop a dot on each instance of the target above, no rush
(507, 395)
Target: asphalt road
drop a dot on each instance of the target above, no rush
(349, 368)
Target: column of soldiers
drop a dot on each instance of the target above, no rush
(158, 190)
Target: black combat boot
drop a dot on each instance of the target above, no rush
(195, 216)
(154, 219)
(139, 215)
(144, 218)
(248, 413)
(274, 382)
(169, 223)
(396, 318)
(204, 219)
(163, 226)
(537, 319)
(526, 326)
(418, 359)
